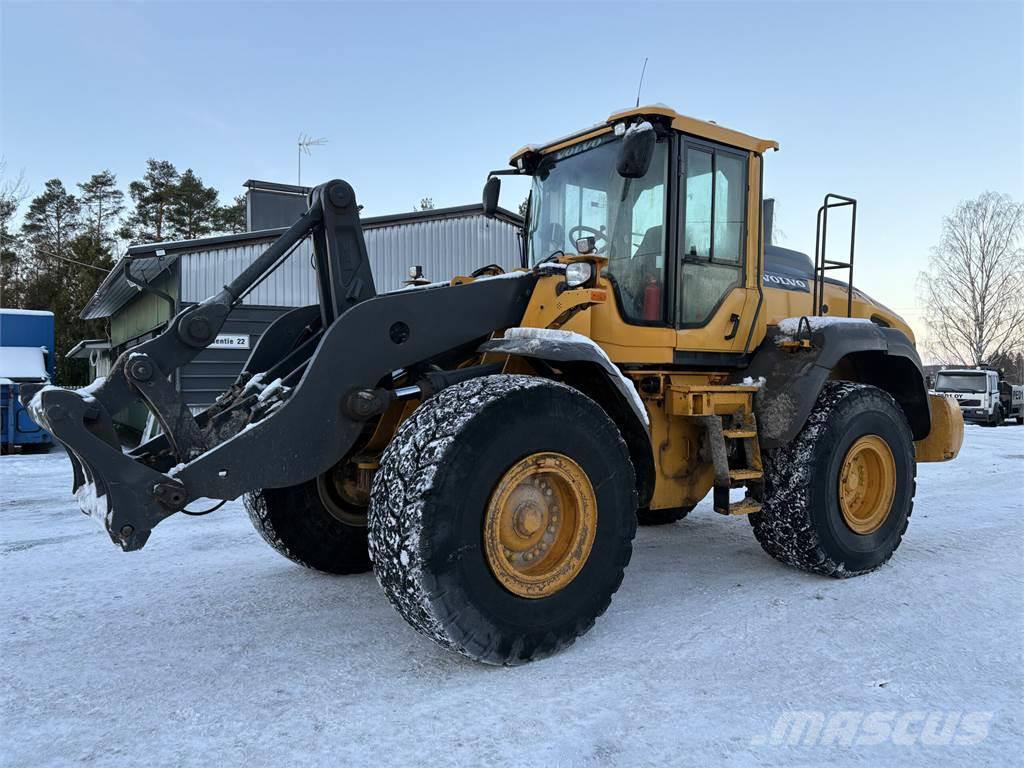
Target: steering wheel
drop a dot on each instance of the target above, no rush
(599, 236)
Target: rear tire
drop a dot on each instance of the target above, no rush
(802, 521)
(435, 492)
(295, 522)
(649, 516)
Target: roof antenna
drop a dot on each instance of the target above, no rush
(641, 85)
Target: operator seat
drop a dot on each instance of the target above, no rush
(642, 267)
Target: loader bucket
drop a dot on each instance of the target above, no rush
(106, 483)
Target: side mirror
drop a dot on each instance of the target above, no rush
(492, 188)
(636, 151)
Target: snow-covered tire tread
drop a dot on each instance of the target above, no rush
(401, 489)
(784, 527)
(316, 541)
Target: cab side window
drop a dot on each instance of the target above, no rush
(714, 231)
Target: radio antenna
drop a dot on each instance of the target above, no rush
(305, 142)
(641, 85)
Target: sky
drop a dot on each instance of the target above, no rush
(909, 107)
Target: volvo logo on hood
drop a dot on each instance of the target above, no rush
(775, 280)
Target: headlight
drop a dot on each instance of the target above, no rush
(577, 273)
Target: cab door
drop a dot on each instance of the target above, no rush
(714, 296)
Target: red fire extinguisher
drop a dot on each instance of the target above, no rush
(652, 299)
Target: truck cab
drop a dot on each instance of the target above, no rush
(976, 391)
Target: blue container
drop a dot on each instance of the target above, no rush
(26, 355)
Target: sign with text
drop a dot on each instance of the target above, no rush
(230, 341)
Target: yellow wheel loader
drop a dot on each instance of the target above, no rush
(488, 444)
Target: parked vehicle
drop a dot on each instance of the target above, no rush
(491, 442)
(983, 395)
(26, 357)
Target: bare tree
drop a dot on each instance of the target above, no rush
(13, 192)
(973, 290)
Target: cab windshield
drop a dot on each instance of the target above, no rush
(960, 382)
(578, 193)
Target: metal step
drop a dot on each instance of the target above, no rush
(744, 475)
(724, 507)
(739, 434)
(746, 507)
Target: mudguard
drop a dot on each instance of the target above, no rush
(846, 348)
(568, 347)
(579, 358)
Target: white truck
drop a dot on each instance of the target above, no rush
(982, 394)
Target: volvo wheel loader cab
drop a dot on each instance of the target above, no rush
(490, 443)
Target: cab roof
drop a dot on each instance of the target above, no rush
(703, 128)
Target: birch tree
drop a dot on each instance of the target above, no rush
(973, 290)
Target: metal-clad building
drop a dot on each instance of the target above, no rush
(153, 282)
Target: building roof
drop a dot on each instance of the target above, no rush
(85, 347)
(148, 261)
(274, 186)
(682, 123)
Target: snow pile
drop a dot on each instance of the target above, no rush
(791, 325)
(421, 286)
(624, 383)
(256, 382)
(26, 312)
(504, 275)
(86, 393)
(93, 503)
(272, 389)
(23, 363)
(448, 283)
(89, 390)
(36, 403)
(642, 127)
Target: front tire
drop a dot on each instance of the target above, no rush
(648, 516)
(502, 517)
(296, 523)
(837, 499)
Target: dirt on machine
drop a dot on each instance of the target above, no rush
(489, 444)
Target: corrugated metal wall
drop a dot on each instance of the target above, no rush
(444, 248)
(214, 369)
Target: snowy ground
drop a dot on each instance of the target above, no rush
(209, 648)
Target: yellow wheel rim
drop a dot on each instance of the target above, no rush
(867, 484)
(540, 525)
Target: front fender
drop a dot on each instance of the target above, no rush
(859, 351)
(568, 347)
(586, 367)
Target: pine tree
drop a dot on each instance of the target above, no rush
(194, 210)
(12, 193)
(62, 264)
(102, 203)
(52, 220)
(152, 196)
(231, 218)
